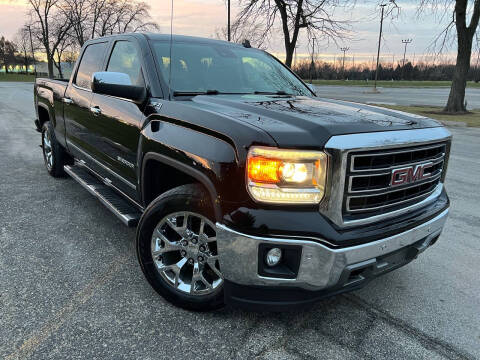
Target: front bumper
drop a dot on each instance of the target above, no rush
(322, 270)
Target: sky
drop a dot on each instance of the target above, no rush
(205, 17)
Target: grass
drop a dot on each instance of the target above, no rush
(16, 77)
(471, 118)
(391, 84)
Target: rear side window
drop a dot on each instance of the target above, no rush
(92, 61)
(125, 59)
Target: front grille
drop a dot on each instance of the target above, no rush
(368, 188)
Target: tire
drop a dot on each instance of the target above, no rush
(172, 245)
(54, 156)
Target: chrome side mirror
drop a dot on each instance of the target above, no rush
(117, 84)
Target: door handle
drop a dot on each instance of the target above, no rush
(67, 101)
(95, 110)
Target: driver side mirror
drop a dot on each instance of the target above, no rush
(117, 84)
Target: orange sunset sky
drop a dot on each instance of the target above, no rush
(205, 17)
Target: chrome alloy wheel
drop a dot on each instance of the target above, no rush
(184, 250)
(47, 149)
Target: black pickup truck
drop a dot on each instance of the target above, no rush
(246, 189)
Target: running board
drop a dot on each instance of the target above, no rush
(122, 208)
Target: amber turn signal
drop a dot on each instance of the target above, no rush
(264, 170)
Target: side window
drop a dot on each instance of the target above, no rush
(91, 62)
(125, 59)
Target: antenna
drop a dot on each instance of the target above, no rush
(171, 60)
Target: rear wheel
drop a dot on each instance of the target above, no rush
(177, 249)
(54, 155)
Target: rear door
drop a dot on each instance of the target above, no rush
(78, 98)
(116, 126)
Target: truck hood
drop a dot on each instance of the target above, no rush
(309, 122)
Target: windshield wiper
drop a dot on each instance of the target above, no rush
(194, 93)
(279, 92)
(206, 92)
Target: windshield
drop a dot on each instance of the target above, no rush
(216, 68)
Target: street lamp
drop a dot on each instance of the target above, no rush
(228, 25)
(344, 49)
(406, 42)
(33, 52)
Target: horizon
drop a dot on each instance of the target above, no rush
(206, 17)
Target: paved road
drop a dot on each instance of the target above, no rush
(397, 96)
(70, 286)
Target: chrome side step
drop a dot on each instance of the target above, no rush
(122, 208)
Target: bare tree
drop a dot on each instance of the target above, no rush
(314, 16)
(81, 18)
(240, 31)
(120, 16)
(51, 26)
(7, 52)
(465, 20)
(23, 43)
(63, 25)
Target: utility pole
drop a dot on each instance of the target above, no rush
(33, 53)
(295, 59)
(228, 25)
(406, 42)
(379, 44)
(344, 49)
(312, 64)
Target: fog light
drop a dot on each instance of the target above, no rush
(273, 256)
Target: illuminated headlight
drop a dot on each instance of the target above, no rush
(286, 176)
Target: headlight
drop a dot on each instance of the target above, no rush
(286, 176)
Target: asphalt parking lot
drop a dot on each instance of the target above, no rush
(70, 286)
(397, 96)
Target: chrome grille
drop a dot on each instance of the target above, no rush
(368, 176)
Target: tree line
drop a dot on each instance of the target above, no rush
(421, 71)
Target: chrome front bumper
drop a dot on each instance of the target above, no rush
(320, 267)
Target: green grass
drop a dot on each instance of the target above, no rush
(16, 77)
(391, 84)
(471, 118)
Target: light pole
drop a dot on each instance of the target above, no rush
(406, 42)
(344, 49)
(228, 25)
(295, 60)
(312, 64)
(379, 44)
(33, 53)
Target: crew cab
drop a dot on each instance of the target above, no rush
(245, 188)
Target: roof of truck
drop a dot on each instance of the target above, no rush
(166, 37)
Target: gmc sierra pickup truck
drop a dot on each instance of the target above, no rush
(246, 189)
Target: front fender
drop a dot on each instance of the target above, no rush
(210, 160)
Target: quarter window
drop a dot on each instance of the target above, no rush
(92, 61)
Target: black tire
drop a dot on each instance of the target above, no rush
(186, 198)
(58, 157)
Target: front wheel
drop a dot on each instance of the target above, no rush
(177, 249)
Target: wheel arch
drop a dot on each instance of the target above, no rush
(43, 114)
(188, 174)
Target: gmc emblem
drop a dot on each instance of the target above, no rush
(410, 174)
